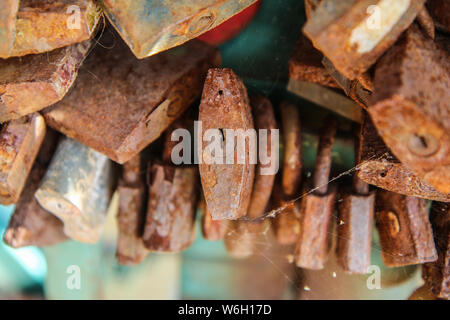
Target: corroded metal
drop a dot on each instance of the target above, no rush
(437, 274)
(41, 26)
(170, 222)
(152, 26)
(405, 232)
(264, 119)
(317, 206)
(245, 237)
(306, 64)
(354, 34)
(20, 140)
(121, 116)
(292, 135)
(212, 230)
(379, 167)
(326, 98)
(77, 188)
(30, 224)
(33, 82)
(311, 6)
(356, 211)
(426, 22)
(286, 224)
(225, 105)
(440, 11)
(131, 214)
(411, 109)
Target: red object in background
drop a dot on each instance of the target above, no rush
(231, 27)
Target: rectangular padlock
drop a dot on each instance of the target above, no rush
(355, 223)
(131, 214)
(411, 108)
(20, 141)
(286, 223)
(170, 221)
(379, 167)
(123, 115)
(354, 34)
(225, 106)
(405, 232)
(33, 82)
(317, 206)
(152, 26)
(30, 224)
(437, 274)
(41, 26)
(77, 188)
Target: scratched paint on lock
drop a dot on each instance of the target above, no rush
(385, 15)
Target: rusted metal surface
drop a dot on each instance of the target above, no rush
(426, 22)
(353, 35)
(264, 119)
(411, 108)
(131, 215)
(311, 6)
(77, 188)
(33, 82)
(120, 116)
(405, 232)
(41, 26)
(359, 90)
(170, 222)
(326, 98)
(30, 224)
(292, 162)
(356, 211)
(212, 230)
(317, 206)
(379, 167)
(20, 140)
(440, 11)
(152, 26)
(8, 12)
(305, 65)
(286, 224)
(225, 105)
(437, 274)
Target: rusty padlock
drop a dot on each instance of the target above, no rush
(170, 221)
(20, 141)
(120, 117)
(437, 274)
(379, 167)
(244, 237)
(33, 82)
(30, 224)
(411, 109)
(405, 232)
(354, 34)
(317, 206)
(30, 27)
(152, 26)
(356, 214)
(225, 108)
(285, 224)
(77, 188)
(131, 215)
